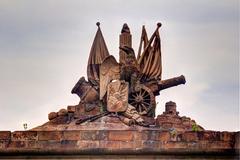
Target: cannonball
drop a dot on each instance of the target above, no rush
(52, 115)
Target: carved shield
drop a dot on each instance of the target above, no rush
(117, 96)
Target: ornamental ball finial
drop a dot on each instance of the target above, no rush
(98, 24)
(159, 24)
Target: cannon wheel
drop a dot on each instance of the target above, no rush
(143, 100)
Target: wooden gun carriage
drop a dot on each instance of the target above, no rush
(143, 98)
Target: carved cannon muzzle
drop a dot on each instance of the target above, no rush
(164, 84)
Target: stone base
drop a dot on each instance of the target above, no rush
(62, 138)
(119, 142)
(124, 157)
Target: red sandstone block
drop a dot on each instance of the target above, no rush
(203, 144)
(211, 145)
(48, 144)
(150, 135)
(24, 135)
(237, 141)
(31, 144)
(5, 135)
(164, 136)
(203, 135)
(138, 144)
(220, 145)
(111, 145)
(71, 135)
(226, 136)
(50, 135)
(137, 136)
(190, 136)
(127, 145)
(4, 144)
(18, 144)
(87, 144)
(174, 145)
(121, 135)
(194, 145)
(151, 144)
(209, 135)
(94, 135)
(88, 135)
(68, 144)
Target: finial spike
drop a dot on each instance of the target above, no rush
(159, 24)
(125, 28)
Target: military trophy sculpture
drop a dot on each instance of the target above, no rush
(126, 89)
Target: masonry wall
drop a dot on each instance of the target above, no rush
(89, 142)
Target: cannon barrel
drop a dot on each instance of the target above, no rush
(164, 84)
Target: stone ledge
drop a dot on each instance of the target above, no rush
(119, 142)
(5, 135)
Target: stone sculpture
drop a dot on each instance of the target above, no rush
(116, 113)
(127, 88)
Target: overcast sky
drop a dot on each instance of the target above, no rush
(44, 47)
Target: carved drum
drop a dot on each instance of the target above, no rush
(85, 91)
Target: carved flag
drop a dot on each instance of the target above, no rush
(151, 61)
(97, 54)
(143, 41)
